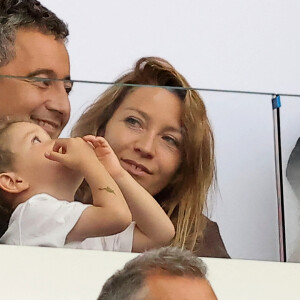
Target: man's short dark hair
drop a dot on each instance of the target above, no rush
(17, 14)
(128, 283)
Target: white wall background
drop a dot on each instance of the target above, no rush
(242, 45)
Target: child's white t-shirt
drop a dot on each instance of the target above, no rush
(45, 221)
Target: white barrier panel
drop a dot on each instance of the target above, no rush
(48, 273)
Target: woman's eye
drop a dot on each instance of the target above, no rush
(172, 141)
(36, 140)
(132, 122)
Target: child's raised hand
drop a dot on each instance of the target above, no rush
(73, 153)
(105, 154)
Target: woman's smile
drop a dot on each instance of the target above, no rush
(135, 168)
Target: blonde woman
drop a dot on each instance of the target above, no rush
(163, 138)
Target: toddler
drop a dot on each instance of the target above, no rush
(38, 180)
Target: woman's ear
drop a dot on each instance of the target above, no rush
(12, 183)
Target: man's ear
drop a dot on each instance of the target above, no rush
(12, 183)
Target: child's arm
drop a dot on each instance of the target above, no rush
(154, 228)
(109, 213)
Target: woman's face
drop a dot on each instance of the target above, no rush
(145, 133)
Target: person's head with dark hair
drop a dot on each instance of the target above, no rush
(32, 44)
(165, 273)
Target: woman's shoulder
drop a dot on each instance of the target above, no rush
(211, 245)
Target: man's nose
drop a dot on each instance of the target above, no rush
(145, 144)
(58, 100)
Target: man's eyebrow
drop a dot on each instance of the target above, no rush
(50, 73)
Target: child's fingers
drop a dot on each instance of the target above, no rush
(103, 142)
(60, 146)
(92, 140)
(90, 144)
(55, 156)
(89, 137)
(100, 139)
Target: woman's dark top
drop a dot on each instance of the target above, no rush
(212, 244)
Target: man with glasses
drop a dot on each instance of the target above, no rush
(32, 44)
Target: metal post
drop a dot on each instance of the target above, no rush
(279, 182)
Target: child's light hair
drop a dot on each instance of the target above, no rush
(6, 165)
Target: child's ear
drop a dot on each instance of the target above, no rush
(12, 183)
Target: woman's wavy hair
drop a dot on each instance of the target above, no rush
(184, 198)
